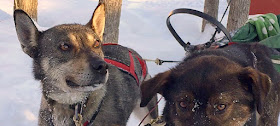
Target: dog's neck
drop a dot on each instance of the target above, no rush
(63, 113)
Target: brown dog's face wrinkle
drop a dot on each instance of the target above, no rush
(204, 93)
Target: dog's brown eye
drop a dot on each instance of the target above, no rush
(221, 107)
(64, 47)
(96, 44)
(183, 104)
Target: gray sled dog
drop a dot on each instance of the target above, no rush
(78, 86)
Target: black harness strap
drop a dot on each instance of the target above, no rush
(91, 121)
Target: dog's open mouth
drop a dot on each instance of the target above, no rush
(72, 84)
(76, 86)
(86, 84)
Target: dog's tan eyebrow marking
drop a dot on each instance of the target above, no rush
(90, 37)
(73, 39)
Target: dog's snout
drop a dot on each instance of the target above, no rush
(100, 66)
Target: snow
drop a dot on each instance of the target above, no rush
(142, 28)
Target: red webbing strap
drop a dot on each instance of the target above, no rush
(144, 67)
(86, 123)
(118, 64)
(110, 44)
(228, 44)
(130, 69)
(232, 43)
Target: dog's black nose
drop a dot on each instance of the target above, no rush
(100, 66)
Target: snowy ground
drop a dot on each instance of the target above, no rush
(142, 28)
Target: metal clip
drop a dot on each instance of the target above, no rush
(78, 121)
(78, 118)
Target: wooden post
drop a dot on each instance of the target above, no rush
(238, 14)
(211, 8)
(29, 6)
(112, 22)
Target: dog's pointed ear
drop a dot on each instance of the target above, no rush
(27, 32)
(258, 83)
(97, 21)
(153, 86)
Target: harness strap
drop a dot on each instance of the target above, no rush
(94, 115)
(131, 68)
(118, 64)
(144, 67)
(109, 44)
(86, 123)
(228, 44)
(232, 43)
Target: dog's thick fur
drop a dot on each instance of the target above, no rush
(68, 60)
(222, 87)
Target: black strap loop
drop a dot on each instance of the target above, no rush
(207, 17)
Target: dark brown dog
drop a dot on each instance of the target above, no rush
(223, 87)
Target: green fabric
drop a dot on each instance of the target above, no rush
(245, 34)
(264, 29)
(278, 17)
(277, 67)
(272, 42)
(266, 25)
(258, 28)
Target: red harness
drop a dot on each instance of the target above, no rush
(131, 68)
